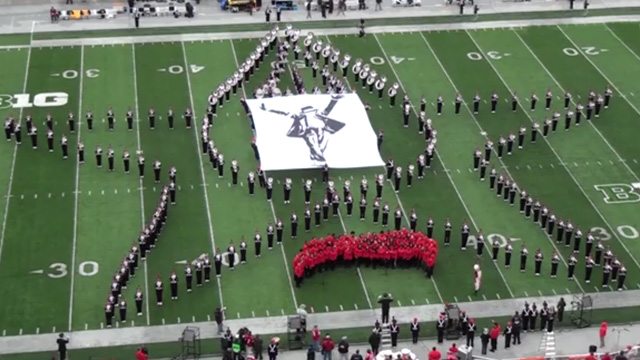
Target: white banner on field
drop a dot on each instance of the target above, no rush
(308, 131)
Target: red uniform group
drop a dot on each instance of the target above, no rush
(398, 247)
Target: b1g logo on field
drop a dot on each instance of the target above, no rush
(19, 101)
(618, 193)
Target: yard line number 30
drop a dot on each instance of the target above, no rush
(85, 268)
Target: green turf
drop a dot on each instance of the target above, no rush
(560, 171)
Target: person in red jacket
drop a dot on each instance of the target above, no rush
(434, 354)
(327, 347)
(494, 333)
(315, 338)
(603, 332)
(142, 354)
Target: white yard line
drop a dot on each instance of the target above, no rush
(621, 42)
(76, 196)
(443, 164)
(15, 148)
(563, 163)
(203, 178)
(553, 243)
(141, 184)
(273, 211)
(598, 69)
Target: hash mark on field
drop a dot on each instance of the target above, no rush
(86, 326)
(342, 309)
(49, 196)
(554, 291)
(575, 164)
(540, 292)
(611, 162)
(102, 192)
(326, 308)
(282, 311)
(101, 327)
(89, 193)
(355, 306)
(162, 321)
(193, 318)
(569, 291)
(20, 332)
(179, 320)
(540, 166)
(413, 302)
(253, 313)
(484, 297)
(62, 194)
(469, 297)
(526, 294)
(238, 315)
(268, 313)
(399, 303)
(37, 330)
(455, 299)
(208, 317)
(4, 332)
(427, 300)
(313, 310)
(597, 290)
(498, 296)
(35, 196)
(599, 163)
(54, 328)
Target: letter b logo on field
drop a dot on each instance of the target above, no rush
(618, 193)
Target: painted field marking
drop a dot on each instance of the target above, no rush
(469, 297)
(253, 314)
(208, 317)
(355, 306)
(484, 297)
(4, 332)
(268, 313)
(141, 188)
(20, 332)
(455, 299)
(540, 293)
(526, 294)
(326, 308)
(162, 321)
(282, 311)
(76, 197)
(37, 330)
(498, 296)
(342, 309)
(179, 320)
(86, 326)
(554, 291)
(567, 290)
(413, 302)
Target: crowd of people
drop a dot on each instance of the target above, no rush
(393, 248)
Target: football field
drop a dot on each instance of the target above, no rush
(67, 226)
